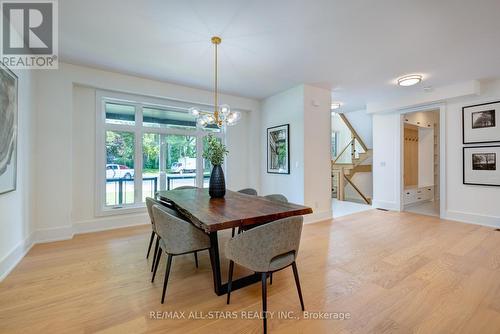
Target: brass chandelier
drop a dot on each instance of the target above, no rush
(222, 115)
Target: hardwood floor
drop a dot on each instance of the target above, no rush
(392, 272)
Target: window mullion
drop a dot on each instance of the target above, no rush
(138, 155)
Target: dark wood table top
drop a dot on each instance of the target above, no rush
(234, 210)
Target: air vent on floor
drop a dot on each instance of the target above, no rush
(382, 209)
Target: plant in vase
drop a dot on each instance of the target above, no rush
(215, 152)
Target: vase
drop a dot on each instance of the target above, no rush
(217, 187)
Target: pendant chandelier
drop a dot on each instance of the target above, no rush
(222, 115)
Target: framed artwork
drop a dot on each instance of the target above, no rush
(481, 123)
(278, 149)
(8, 129)
(482, 165)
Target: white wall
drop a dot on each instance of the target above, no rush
(466, 203)
(475, 204)
(285, 108)
(66, 145)
(386, 160)
(16, 208)
(317, 152)
(307, 110)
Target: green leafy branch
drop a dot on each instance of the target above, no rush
(215, 151)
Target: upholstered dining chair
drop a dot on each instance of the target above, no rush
(177, 237)
(266, 249)
(149, 205)
(248, 191)
(277, 198)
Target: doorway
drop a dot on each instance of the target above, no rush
(421, 144)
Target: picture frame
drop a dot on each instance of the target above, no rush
(481, 123)
(278, 149)
(8, 129)
(481, 165)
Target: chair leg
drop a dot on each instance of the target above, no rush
(230, 280)
(270, 278)
(297, 282)
(165, 281)
(264, 301)
(156, 264)
(233, 232)
(196, 259)
(150, 243)
(156, 252)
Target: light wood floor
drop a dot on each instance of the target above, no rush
(392, 272)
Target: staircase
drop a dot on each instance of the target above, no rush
(343, 172)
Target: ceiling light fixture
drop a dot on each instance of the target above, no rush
(222, 115)
(409, 80)
(335, 105)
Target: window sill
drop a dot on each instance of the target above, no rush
(113, 211)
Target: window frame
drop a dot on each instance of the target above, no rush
(139, 102)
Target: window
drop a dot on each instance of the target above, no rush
(145, 145)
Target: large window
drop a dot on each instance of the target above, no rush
(143, 146)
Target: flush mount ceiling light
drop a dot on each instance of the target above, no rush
(409, 80)
(335, 105)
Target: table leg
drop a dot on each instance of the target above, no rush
(219, 288)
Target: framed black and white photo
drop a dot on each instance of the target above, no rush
(8, 129)
(481, 165)
(278, 149)
(480, 123)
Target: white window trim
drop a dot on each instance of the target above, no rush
(138, 101)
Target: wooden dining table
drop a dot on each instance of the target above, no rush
(234, 210)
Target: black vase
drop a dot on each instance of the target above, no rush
(217, 187)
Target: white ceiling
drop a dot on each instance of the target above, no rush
(355, 48)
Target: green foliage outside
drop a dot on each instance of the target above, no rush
(120, 149)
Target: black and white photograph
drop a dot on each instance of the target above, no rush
(484, 161)
(479, 123)
(480, 165)
(278, 149)
(8, 129)
(483, 119)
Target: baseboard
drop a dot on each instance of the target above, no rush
(476, 219)
(10, 261)
(385, 205)
(110, 223)
(53, 234)
(318, 217)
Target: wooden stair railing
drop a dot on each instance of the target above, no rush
(345, 171)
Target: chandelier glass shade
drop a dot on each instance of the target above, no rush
(222, 115)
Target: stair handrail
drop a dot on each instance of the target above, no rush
(353, 132)
(343, 150)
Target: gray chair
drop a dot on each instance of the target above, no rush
(177, 237)
(277, 198)
(266, 249)
(248, 191)
(150, 202)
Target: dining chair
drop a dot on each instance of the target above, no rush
(266, 249)
(150, 202)
(177, 237)
(277, 198)
(246, 191)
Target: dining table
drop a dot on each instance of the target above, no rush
(234, 210)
